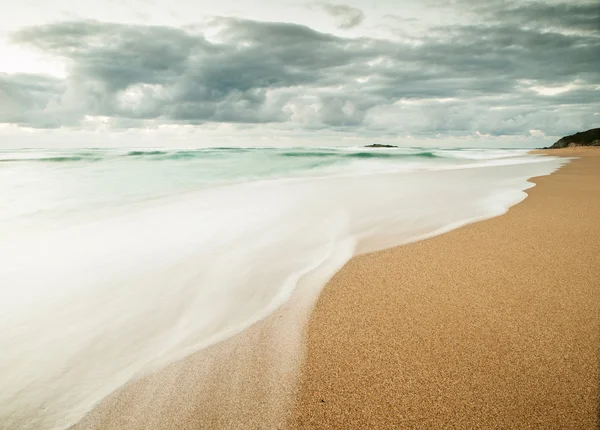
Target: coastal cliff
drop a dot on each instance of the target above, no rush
(585, 138)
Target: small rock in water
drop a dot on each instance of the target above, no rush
(379, 145)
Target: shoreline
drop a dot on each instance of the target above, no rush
(493, 325)
(191, 394)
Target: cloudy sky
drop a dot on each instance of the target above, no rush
(291, 72)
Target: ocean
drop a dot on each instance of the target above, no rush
(117, 262)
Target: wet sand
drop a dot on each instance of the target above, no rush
(493, 325)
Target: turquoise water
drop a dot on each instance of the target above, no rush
(50, 183)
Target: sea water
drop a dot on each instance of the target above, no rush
(115, 263)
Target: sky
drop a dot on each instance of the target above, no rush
(186, 73)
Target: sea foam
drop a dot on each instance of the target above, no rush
(99, 296)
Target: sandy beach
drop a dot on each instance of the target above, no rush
(493, 325)
(297, 215)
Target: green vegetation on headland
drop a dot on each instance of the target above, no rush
(585, 138)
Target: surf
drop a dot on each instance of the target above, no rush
(115, 284)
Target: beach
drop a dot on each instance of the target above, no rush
(493, 325)
(157, 303)
(257, 215)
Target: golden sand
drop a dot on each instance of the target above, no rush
(493, 325)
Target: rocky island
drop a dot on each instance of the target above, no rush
(379, 145)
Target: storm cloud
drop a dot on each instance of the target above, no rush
(520, 67)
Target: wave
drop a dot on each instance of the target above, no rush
(309, 154)
(176, 274)
(387, 154)
(143, 153)
(57, 159)
(426, 154)
(166, 155)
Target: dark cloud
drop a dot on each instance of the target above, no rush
(23, 97)
(571, 16)
(490, 77)
(346, 16)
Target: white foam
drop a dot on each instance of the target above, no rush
(92, 303)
